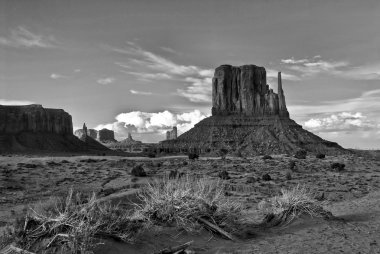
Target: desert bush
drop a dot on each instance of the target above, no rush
(182, 201)
(292, 165)
(266, 177)
(288, 175)
(223, 153)
(193, 156)
(138, 170)
(337, 166)
(74, 224)
(224, 175)
(151, 155)
(300, 154)
(267, 157)
(283, 209)
(320, 156)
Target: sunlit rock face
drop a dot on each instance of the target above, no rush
(249, 118)
(244, 91)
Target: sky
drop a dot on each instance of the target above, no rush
(144, 66)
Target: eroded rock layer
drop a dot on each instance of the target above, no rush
(249, 136)
(244, 91)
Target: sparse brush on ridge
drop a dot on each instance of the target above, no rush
(180, 202)
(74, 223)
(283, 209)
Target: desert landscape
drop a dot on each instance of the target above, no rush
(170, 128)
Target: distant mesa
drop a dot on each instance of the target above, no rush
(103, 135)
(32, 128)
(130, 145)
(248, 117)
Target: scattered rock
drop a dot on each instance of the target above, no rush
(138, 170)
(300, 154)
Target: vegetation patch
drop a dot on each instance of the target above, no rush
(74, 224)
(291, 204)
(184, 201)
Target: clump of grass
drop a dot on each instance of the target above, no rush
(181, 202)
(75, 224)
(283, 209)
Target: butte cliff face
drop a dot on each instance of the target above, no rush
(34, 118)
(244, 91)
(33, 128)
(249, 117)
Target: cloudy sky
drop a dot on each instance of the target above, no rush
(143, 66)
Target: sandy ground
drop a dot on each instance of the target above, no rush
(353, 194)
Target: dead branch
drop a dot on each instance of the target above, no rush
(175, 249)
(216, 229)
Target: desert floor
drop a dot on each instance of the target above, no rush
(353, 194)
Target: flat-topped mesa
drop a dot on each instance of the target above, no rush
(34, 118)
(244, 91)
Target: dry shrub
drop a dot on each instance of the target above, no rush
(74, 224)
(179, 202)
(283, 209)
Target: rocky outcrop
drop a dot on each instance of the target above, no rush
(88, 132)
(106, 136)
(249, 118)
(244, 91)
(34, 118)
(171, 134)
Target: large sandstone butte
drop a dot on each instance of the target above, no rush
(248, 117)
(32, 128)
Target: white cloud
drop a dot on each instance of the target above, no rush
(197, 79)
(343, 121)
(139, 92)
(367, 102)
(57, 76)
(199, 90)
(273, 74)
(170, 50)
(148, 76)
(293, 61)
(15, 102)
(106, 81)
(21, 37)
(156, 123)
(341, 69)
